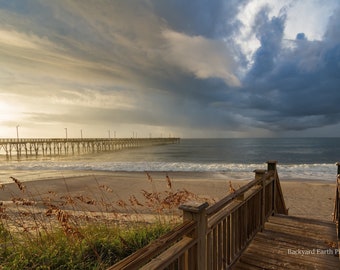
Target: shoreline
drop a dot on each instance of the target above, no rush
(303, 197)
(43, 175)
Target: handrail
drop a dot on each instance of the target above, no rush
(218, 234)
(280, 202)
(336, 214)
(234, 221)
(144, 255)
(226, 200)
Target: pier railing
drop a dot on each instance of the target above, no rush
(214, 237)
(57, 146)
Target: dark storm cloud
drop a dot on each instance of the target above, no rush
(295, 87)
(176, 64)
(269, 32)
(211, 19)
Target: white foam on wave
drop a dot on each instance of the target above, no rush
(291, 171)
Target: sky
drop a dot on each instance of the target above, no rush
(159, 68)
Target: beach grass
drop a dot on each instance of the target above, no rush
(96, 246)
(72, 231)
(92, 221)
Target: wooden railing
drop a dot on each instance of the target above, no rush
(173, 248)
(337, 203)
(214, 237)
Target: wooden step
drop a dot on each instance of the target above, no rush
(289, 242)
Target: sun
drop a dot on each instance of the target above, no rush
(7, 113)
(9, 119)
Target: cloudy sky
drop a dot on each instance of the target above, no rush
(194, 68)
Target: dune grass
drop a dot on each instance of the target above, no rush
(96, 247)
(77, 232)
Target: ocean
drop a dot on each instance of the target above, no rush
(298, 158)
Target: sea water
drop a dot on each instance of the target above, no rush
(298, 158)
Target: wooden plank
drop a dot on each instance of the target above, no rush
(300, 221)
(224, 244)
(226, 200)
(280, 204)
(296, 236)
(299, 232)
(231, 207)
(214, 247)
(265, 262)
(246, 266)
(282, 250)
(209, 249)
(293, 240)
(306, 225)
(284, 240)
(192, 258)
(145, 254)
(228, 242)
(303, 228)
(275, 262)
(267, 256)
(220, 246)
(170, 255)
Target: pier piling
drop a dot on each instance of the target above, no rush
(57, 146)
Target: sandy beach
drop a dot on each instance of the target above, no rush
(312, 199)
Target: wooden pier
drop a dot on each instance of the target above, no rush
(248, 229)
(56, 146)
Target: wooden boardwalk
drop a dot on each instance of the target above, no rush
(289, 242)
(248, 229)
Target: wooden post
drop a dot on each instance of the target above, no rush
(197, 211)
(259, 174)
(337, 203)
(271, 165)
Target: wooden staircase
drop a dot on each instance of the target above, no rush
(248, 229)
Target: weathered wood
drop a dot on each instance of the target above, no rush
(226, 200)
(280, 204)
(193, 211)
(218, 237)
(283, 237)
(193, 207)
(245, 217)
(147, 253)
(231, 207)
(280, 259)
(337, 203)
(167, 257)
(278, 200)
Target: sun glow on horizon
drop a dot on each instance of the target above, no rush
(7, 112)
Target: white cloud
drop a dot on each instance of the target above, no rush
(94, 99)
(309, 17)
(246, 39)
(203, 57)
(303, 16)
